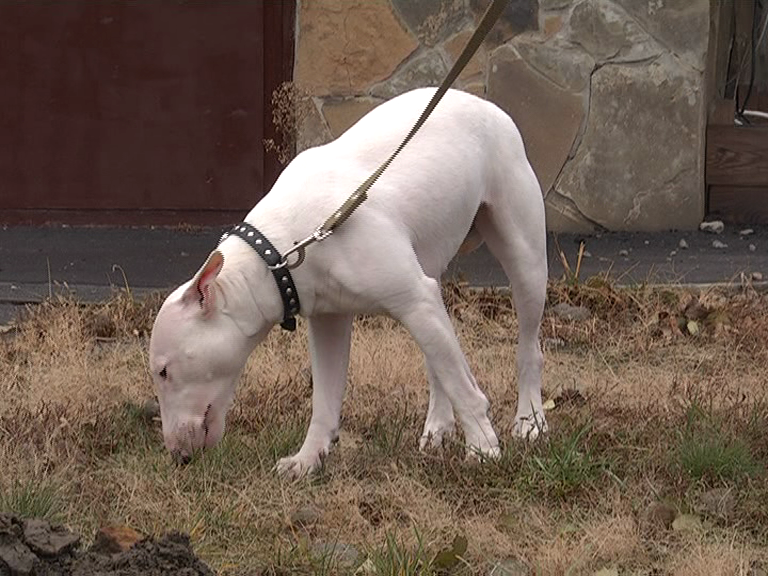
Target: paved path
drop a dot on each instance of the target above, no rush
(92, 261)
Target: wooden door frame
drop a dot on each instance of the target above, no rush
(280, 20)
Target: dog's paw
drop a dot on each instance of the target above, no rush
(433, 437)
(531, 426)
(483, 453)
(296, 467)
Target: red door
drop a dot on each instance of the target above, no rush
(138, 112)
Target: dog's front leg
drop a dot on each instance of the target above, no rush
(329, 340)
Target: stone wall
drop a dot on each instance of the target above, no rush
(608, 94)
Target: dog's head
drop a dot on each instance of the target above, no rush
(196, 354)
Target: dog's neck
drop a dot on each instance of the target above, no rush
(247, 288)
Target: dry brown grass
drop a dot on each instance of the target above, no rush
(631, 386)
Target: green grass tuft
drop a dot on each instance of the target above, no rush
(397, 559)
(562, 464)
(706, 452)
(31, 499)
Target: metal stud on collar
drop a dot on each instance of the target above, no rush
(276, 264)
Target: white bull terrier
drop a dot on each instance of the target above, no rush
(462, 180)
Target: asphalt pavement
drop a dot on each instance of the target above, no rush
(92, 262)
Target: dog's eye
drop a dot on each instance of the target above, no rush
(164, 373)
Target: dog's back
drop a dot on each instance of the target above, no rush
(467, 151)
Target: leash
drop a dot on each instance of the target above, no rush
(359, 196)
(279, 265)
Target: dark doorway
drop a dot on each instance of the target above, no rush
(151, 112)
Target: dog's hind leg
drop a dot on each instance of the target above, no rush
(513, 227)
(422, 312)
(329, 341)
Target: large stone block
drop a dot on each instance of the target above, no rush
(639, 164)
(518, 16)
(564, 216)
(682, 26)
(428, 69)
(432, 20)
(554, 4)
(563, 62)
(548, 117)
(345, 46)
(341, 115)
(475, 68)
(608, 34)
(312, 129)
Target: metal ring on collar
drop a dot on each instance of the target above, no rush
(300, 249)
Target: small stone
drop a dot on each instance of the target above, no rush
(660, 514)
(607, 572)
(587, 254)
(10, 527)
(47, 540)
(686, 523)
(624, 253)
(673, 253)
(719, 245)
(17, 558)
(115, 539)
(305, 517)
(752, 247)
(683, 244)
(757, 276)
(336, 553)
(571, 397)
(150, 409)
(553, 343)
(646, 242)
(746, 232)
(568, 312)
(510, 567)
(713, 227)
(718, 503)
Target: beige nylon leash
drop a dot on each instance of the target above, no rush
(359, 196)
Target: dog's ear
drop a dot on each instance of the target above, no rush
(201, 289)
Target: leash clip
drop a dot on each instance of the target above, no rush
(300, 249)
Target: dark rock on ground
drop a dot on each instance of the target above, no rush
(15, 555)
(47, 540)
(659, 514)
(169, 555)
(115, 539)
(572, 313)
(35, 547)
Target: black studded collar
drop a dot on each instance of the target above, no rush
(272, 257)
